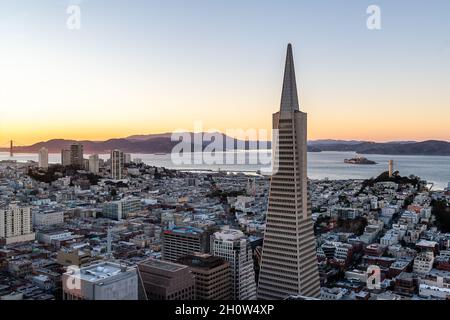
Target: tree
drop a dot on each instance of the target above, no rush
(441, 210)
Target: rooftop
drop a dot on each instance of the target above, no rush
(184, 230)
(163, 265)
(203, 261)
(98, 272)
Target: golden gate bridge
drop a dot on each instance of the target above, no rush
(9, 146)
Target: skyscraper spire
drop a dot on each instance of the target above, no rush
(289, 97)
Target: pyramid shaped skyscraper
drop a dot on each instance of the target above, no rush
(289, 262)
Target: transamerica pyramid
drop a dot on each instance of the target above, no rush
(289, 262)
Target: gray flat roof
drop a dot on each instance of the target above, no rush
(164, 265)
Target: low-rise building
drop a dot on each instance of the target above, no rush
(103, 281)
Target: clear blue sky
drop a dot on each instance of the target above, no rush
(151, 66)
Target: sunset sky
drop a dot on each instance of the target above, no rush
(139, 67)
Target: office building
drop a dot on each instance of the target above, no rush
(43, 158)
(16, 224)
(212, 276)
(233, 246)
(103, 281)
(163, 280)
(116, 164)
(289, 263)
(178, 242)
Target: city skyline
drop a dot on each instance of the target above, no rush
(119, 76)
(224, 159)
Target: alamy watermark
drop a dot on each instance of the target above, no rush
(74, 17)
(72, 281)
(373, 277)
(374, 20)
(234, 147)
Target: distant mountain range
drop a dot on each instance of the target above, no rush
(161, 143)
(430, 147)
(152, 143)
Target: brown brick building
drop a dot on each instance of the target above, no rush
(212, 276)
(163, 280)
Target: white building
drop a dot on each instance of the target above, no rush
(357, 275)
(16, 224)
(103, 281)
(48, 218)
(390, 238)
(43, 158)
(232, 245)
(121, 209)
(423, 263)
(434, 292)
(371, 231)
(332, 293)
(94, 164)
(436, 278)
(50, 236)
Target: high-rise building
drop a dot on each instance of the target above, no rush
(289, 263)
(16, 224)
(65, 157)
(94, 164)
(103, 281)
(178, 242)
(212, 276)
(76, 155)
(43, 158)
(163, 280)
(233, 246)
(116, 164)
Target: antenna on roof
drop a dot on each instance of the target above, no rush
(109, 243)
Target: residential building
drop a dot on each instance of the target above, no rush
(117, 163)
(423, 263)
(65, 157)
(76, 155)
(94, 164)
(43, 158)
(16, 224)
